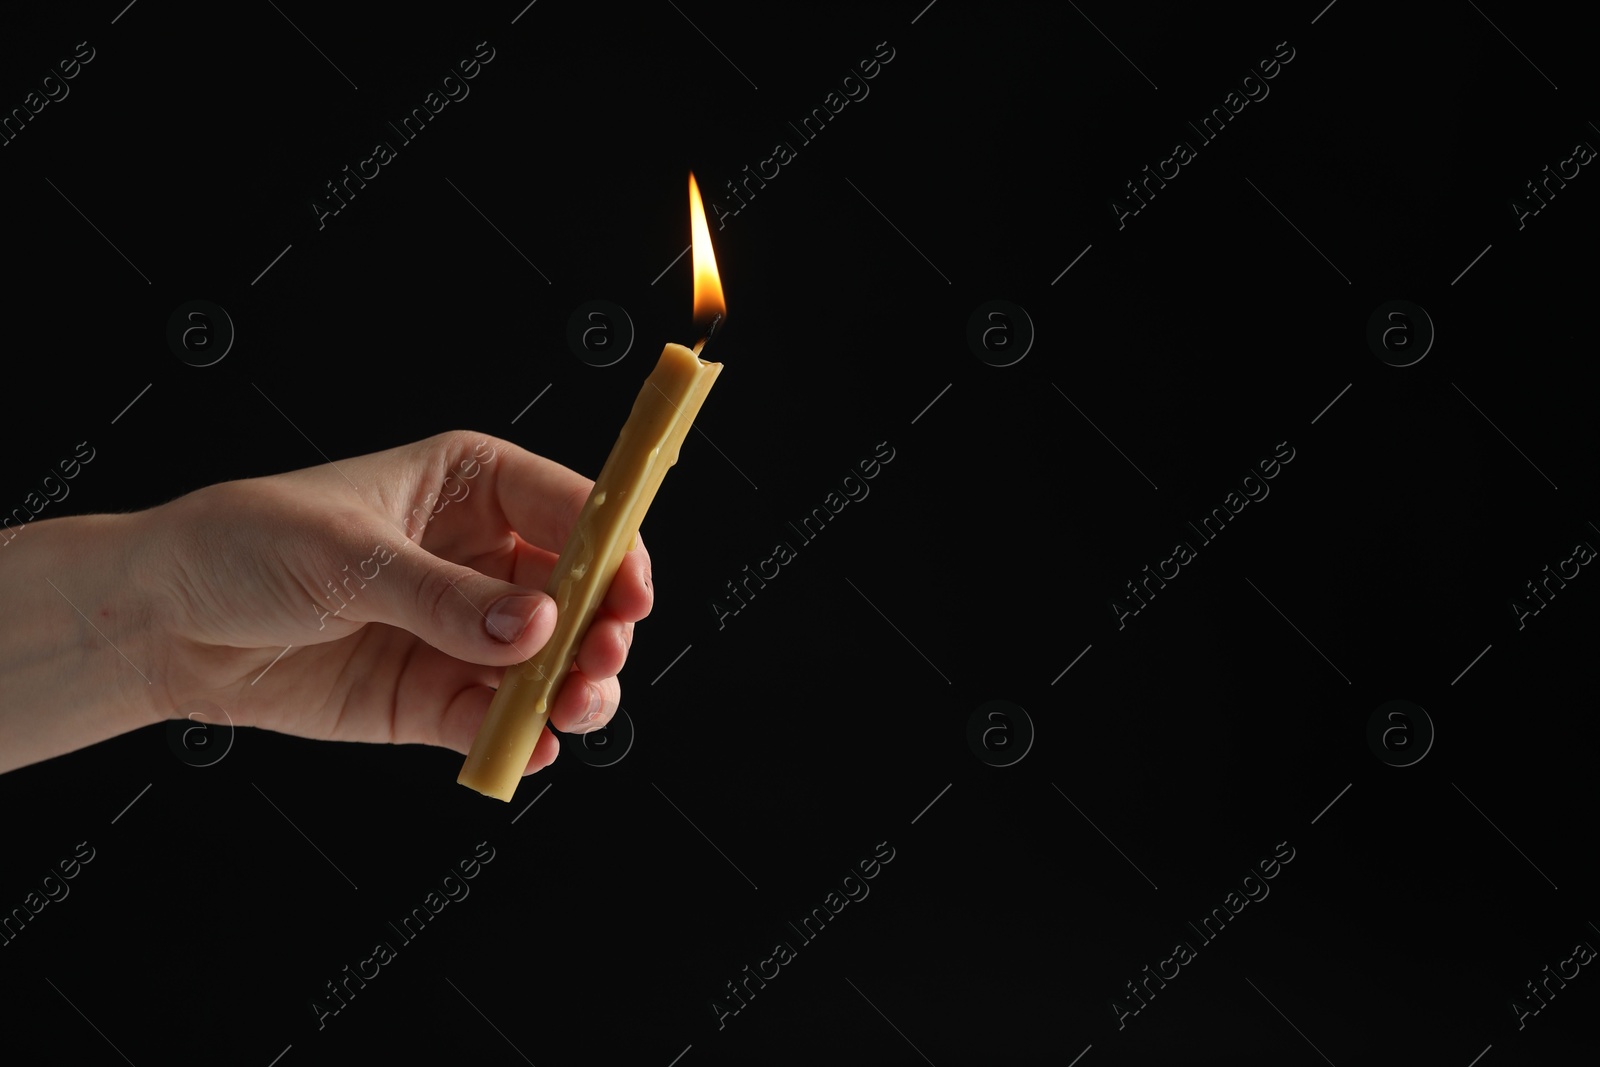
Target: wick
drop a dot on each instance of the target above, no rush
(710, 331)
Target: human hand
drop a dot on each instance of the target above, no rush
(379, 598)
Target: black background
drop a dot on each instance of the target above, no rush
(827, 716)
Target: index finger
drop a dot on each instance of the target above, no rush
(523, 492)
(541, 501)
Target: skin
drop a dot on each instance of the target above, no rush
(135, 619)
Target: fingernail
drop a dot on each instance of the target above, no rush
(508, 618)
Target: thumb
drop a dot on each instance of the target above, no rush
(457, 610)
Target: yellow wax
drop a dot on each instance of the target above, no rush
(606, 530)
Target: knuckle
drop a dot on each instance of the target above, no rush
(435, 595)
(460, 446)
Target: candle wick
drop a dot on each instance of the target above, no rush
(710, 330)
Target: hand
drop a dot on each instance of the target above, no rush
(402, 583)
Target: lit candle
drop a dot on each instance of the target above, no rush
(607, 528)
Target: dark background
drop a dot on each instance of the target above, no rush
(833, 712)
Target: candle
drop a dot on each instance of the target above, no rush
(606, 529)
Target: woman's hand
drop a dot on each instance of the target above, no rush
(378, 598)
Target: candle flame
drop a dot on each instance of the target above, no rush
(708, 302)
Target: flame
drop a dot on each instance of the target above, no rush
(708, 302)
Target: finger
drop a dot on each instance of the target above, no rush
(584, 705)
(631, 595)
(541, 500)
(544, 753)
(537, 497)
(605, 647)
(457, 726)
(457, 610)
(628, 599)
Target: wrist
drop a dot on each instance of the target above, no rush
(78, 666)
